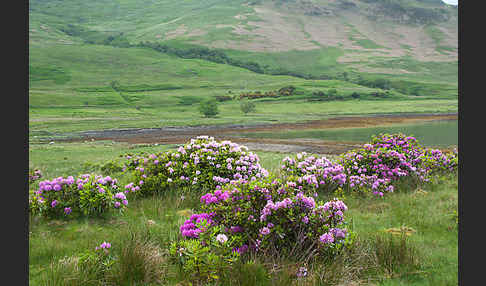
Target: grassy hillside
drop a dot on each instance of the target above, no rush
(327, 36)
(165, 57)
(71, 90)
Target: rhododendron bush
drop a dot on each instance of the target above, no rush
(269, 217)
(87, 195)
(202, 163)
(383, 162)
(312, 172)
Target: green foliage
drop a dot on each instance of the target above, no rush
(375, 83)
(96, 37)
(209, 107)
(222, 98)
(111, 167)
(203, 262)
(331, 95)
(247, 106)
(284, 91)
(200, 52)
(115, 85)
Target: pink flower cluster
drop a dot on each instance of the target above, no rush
(55, 184)
(62, 196)
(314, 172)
(333, 235)
(297, 200)
(35, 175)
(387, 159)
(218, 195)
(256, 214)
(202, 162)
(103, 246)
(436, 160)
(196, 224)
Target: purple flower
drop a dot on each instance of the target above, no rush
(326, 238)
(265, 230)
(54, 203)
(305, 219)
(67, 210)
(242, 249)
(120, 196)
(302, 272)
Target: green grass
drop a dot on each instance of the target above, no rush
(429, 213)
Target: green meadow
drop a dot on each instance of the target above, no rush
(427, 255)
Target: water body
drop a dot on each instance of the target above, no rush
(439, 133)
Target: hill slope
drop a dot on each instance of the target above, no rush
(365, 36)
(168, 55)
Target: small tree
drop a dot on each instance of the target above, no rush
(247, 106)
(209, 107)
(332, 92)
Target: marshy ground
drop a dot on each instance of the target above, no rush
(236, 133)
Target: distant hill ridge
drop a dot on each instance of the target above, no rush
(316, 39)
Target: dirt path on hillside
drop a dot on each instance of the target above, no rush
(180, 135)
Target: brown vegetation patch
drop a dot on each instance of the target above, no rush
(181, 30)
(181, 135)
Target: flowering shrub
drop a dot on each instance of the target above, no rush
(380, 164)
(34, 175)
(87, 195)
(269, 217)
(436, 161)
(204, 260)
(202, 163)
(313, 172)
